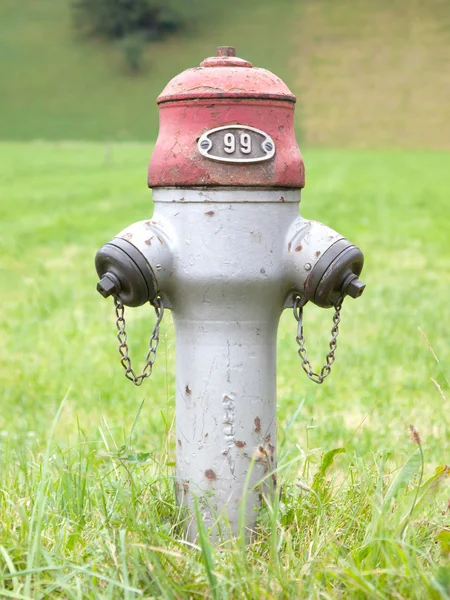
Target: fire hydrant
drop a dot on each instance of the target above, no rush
(226, 251)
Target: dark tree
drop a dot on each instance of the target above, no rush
(132, 21)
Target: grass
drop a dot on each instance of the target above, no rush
(87, 507)
(366, 74)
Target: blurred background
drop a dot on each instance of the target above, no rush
(367, 74)
(78, 122)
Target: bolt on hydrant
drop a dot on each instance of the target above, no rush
(227, 251)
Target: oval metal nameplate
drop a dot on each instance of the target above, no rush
(236, 144)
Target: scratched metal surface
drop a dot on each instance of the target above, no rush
(226, 262)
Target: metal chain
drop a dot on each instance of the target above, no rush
(300, 339)
(123, 345)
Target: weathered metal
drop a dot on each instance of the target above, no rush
(224, 90)
(226, 250)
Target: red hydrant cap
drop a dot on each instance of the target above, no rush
(225, 76)
(226, 123)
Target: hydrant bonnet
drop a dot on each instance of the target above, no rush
(226, 92)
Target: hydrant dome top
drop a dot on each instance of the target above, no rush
(225, 76)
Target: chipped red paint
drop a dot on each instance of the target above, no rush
(224, 90)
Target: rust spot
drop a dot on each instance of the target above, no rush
(271, 448)
(186, 486)
(274, 479)
(225, 452)
(160, 240)
(181, 199)
(280, 127)
(127, 236)
(257, 425)
(149, 241)
(318, 253)
(240, 444)
(289, 246)
(209, 474)
(188, 390)
(180, 444)
(261, 456)
(209, 213)
(177, 486)
(281, 199)
(299, 248)
(267, 438)
(206, 435)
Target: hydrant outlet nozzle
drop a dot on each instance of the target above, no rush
(336, 273)
(124, 272)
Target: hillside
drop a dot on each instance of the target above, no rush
(367, 74)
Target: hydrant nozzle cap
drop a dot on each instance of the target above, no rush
(125, 273)
(336, 273)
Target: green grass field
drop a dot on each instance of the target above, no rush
(87, 507)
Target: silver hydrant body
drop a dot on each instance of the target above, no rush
(226, 251)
